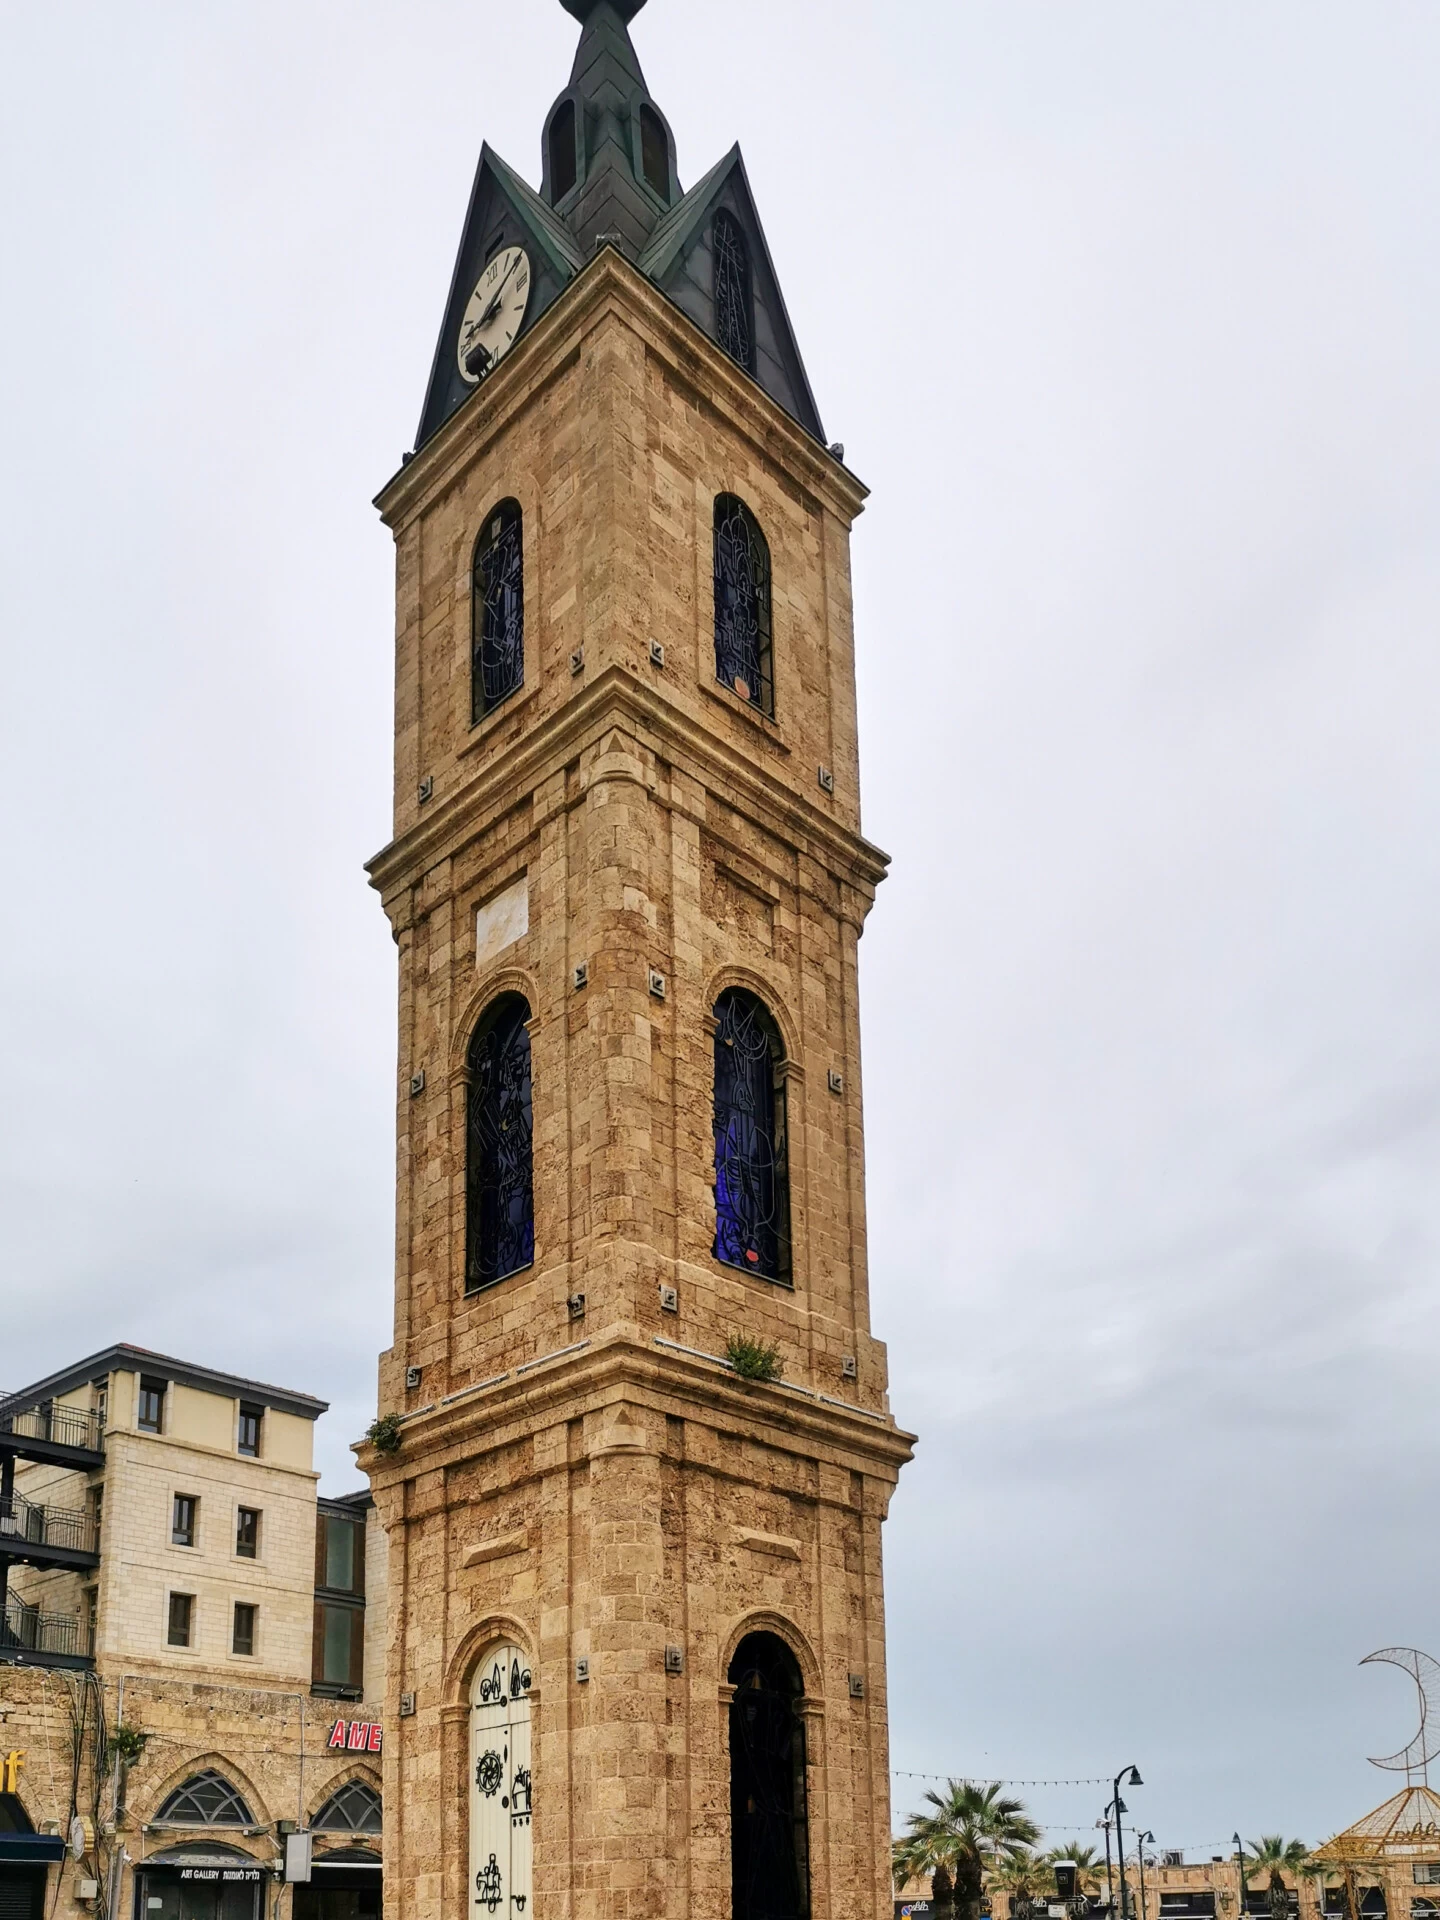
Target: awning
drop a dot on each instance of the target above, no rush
(31, 1849)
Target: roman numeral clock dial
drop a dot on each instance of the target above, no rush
(494, 313)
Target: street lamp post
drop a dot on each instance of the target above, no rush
(1140, 1840)
(1109, 1876)
(1120, 1807)
(1240, 1873)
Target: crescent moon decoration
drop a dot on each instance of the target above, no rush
(1425, 1747)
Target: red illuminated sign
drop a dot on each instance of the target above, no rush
(355, 1736)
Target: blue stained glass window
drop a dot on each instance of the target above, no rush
(752, 1188)
(743, 654)
(499, 1185)
(497, 643)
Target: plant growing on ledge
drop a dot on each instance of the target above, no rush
(127, 1744)
(384, 1433)
(753, 1359)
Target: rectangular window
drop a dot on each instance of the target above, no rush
(152, 1404)
(183, 1518)
(339, 1647)
(1428, 1875)
(339, 1569)
(250, 1418)
(247, 1533)
(182, 1619)
(243, 1638)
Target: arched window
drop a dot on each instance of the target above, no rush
(497, 643)
(752, 1185)
(501, 1791)
(499, 1188)
(654, 151)
(564, 164)
(353, 1808)
(734, 294)
(743, 653)
(206, 1800)
(769, 1842)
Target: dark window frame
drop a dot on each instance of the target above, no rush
(180, 1620)
(733, 289)
(497, 610)
(751, 1140)
(247, 1540)
(769, 1807)
(184, 1519)
(150, 1407)
(654, 151)
(562, 144)
(250, 1429)
(499, 1146)
(743, 581)
(246, 1614)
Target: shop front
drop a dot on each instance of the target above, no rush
(201, 1882)
(344, 1884)
(25, 1861)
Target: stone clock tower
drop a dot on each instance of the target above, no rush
(637, 1644)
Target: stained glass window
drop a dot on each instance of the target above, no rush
(500, 1206)
(752, 1190)
(734, 298)
(206, 1800)
(742, 604)
(497, 648)
(353, 1808)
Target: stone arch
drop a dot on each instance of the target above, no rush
(488, 989)
(772, 994)
(763, 1620)
(338, 1782)
(221, 1763)
(494, 1630)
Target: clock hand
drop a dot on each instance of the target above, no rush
(489, 313)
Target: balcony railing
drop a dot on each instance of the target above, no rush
(62, 1426)
(23, 1520)
(27, 1630)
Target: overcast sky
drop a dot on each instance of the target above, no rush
(1129, 315)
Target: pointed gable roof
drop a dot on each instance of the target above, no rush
(678, 260)
(503, 211)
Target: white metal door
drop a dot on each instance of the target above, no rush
(501, 1798)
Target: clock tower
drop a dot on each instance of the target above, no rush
(636, 1446)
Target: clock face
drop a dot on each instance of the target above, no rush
(494, 313)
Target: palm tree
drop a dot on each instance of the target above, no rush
(1272, 1853)
(1019, 1877)
(971, 1829)
(1086, 1861)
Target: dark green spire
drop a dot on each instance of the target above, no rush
(582, 9)
(609, 161)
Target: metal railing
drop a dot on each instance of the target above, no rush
(25, 1520)
(62, 1426)
(27, 1630)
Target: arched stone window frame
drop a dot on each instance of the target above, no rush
(343, 1783)
(196, 1767)
(505, 994)
(497, 609)
(743, 586)
(810, 1710)
(733, 289)
(732, 987)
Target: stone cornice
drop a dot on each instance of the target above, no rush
(690, 1386)
(611, 284)
(618, 695)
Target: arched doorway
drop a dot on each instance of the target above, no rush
(769, 1841)
(500, 1792)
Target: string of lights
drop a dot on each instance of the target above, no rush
(985, 1779)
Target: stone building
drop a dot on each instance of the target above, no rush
(167, 1571)
(636, 1595)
